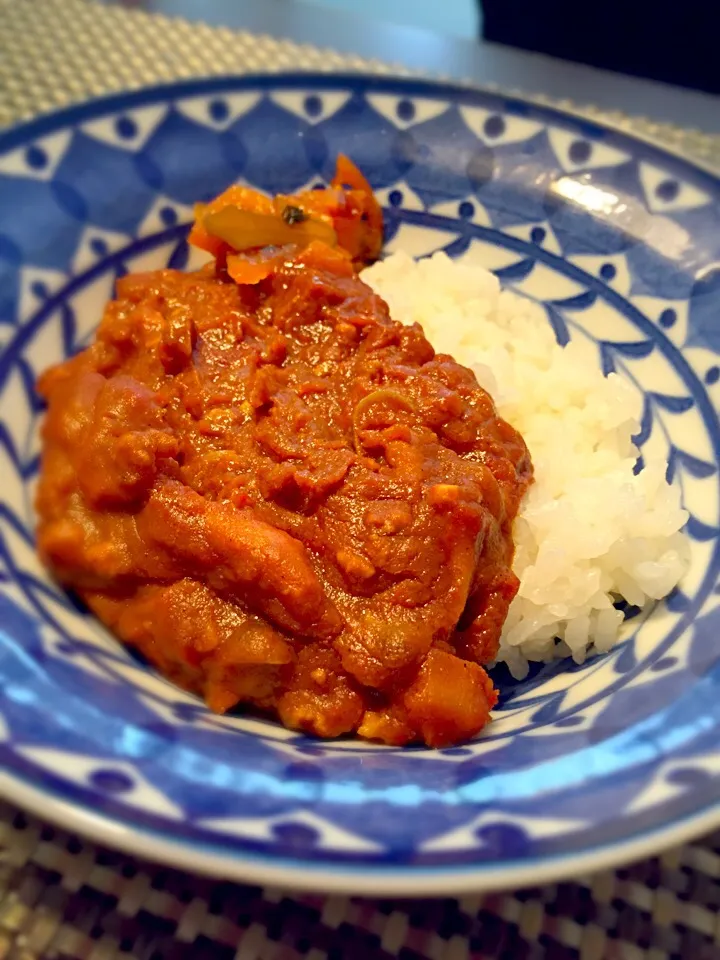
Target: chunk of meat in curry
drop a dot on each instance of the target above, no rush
(285, 499)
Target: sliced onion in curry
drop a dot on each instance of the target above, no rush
(386, 395)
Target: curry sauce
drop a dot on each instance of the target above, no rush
(282, 497)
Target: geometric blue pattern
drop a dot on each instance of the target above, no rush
(620, 244)
(88, 173)
(181, 159)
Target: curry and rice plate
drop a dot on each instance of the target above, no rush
(338, 493)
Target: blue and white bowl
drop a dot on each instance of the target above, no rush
(584, 766)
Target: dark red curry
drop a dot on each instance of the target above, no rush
(279, 495)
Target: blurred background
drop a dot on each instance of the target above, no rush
(673, 42)
(560, 49)
(459, 18)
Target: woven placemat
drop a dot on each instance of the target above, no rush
(62, 897)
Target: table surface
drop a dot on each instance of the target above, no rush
(62, 897)
(420, 49)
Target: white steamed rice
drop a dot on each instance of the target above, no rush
(590, 531)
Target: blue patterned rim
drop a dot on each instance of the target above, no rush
(584, 766)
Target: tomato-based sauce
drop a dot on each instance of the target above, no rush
(284, 499)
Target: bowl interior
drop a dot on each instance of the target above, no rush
(619, 243)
